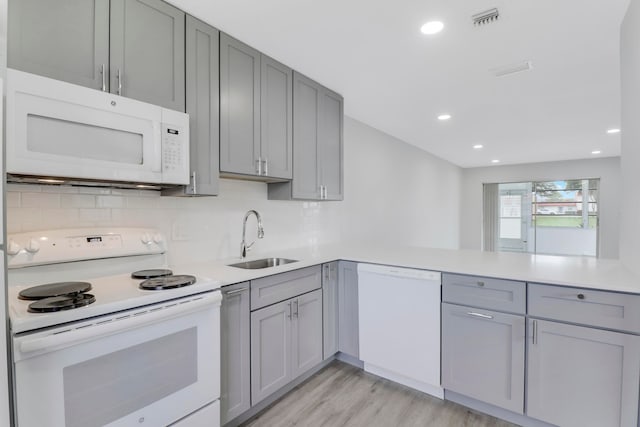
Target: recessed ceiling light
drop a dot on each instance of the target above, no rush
(495, 161)
(478, 146)
(432, 27)
(596, 152)
(444, 117)
(613, 131)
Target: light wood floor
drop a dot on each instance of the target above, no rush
(342, 395)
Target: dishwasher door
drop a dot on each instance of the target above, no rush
(399, 313)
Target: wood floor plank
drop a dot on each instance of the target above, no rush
(344, 396)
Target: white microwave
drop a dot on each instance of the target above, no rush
(59, 132)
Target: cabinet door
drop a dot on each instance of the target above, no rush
(306, 113)
(235, 332)
(331, 144)
(483, 355)
(276, 118)
(582, 377)
(64, 39)
(307, 332)
(270, 349)
(239, 107)
(330, 309)
(203, 107)
(348, 327)
(147, 52)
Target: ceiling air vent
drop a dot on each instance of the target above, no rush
(486, 17)
(506, 70)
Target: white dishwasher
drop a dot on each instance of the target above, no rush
(399, 313)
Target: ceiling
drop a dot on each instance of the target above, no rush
(398, 80)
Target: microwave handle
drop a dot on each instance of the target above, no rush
(158, 149)
(65, 339)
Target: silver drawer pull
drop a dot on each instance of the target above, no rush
(581, 296)
(235, 291)
(483, 316)
(481, 284)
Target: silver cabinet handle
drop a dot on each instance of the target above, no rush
(259, 166)
(119, 77)
(327, 272)
(265, 171)
(290, 313)
(482, 316)
(535, 332)
(481, 284)
(193, 178)
(296, 312)
(103, 71)
(235, 291)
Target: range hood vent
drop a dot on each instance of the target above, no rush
(486, 17)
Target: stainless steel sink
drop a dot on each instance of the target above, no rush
(263, 263)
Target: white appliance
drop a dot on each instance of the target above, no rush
(399, 315)
(132, 357)
(58, 130)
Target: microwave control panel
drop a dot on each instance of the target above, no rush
(175, 147)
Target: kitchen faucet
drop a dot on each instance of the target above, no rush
(243, 245)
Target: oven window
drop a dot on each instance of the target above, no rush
(109, 387)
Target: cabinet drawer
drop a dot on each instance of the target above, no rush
(484, 292)
(586, 306)
(272, 289)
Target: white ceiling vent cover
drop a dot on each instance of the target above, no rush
(486, 17)
(506, 70)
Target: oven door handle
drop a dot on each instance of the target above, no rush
(137, 319)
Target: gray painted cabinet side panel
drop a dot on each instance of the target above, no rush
(348, 328)
(306, 116)
(331, 144)
(483, 358)
(236, 370)
(239, 106)
(147, 47)
(65, 39)
(270, 350)
(202, 67)
(583, 377)
(307, 332)
(330, 309)
(276, 118)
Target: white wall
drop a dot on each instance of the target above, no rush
(607, 169)
(394, 193)
(630, 78)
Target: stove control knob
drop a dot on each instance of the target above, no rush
(157, 238)
(146, 239)
(13, 248)
(33, 246)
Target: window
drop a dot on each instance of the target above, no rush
(549, 217)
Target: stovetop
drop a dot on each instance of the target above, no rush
(113, 294)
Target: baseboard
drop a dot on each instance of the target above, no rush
(433, 390)
(348, 359)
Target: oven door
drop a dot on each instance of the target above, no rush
(149, 366)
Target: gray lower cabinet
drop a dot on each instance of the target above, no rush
(133, 48)
(318, 144)
(330, 318)
(483, 355)
(348, 327)
(286, 341)
(235, 355)
(256, 113)
(203, 107)
(582, 377)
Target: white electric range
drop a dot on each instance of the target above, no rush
(93, 345)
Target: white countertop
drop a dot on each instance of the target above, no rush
(583, 272)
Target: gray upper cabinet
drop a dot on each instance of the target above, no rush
(348, 326)
(203, 107)
(483, 355)
(147, 52)
(255, 113)
(64, 39)
(235, 356)
(330, 309)
(134, 48)
(317, 142)
(582, 377)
